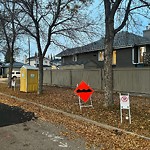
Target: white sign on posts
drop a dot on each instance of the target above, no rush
(125, 104)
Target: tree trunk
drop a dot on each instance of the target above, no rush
(40, 75)
(108, 78)
(10, 70)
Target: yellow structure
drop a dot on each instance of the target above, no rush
(28, 79)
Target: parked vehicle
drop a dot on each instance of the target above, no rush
(15, 74)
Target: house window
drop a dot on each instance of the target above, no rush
(137, 54)
(141, 50)
(114, 58)
(74, 58)
(101, 56)
(46, 61)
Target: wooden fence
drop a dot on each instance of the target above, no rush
(126, 80)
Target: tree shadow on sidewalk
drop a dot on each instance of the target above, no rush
(10, 115)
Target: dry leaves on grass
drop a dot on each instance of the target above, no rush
(65, 99)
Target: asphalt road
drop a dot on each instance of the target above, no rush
(20, 131)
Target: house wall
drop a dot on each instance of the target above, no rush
(72, 67)
(90, 65)
(90, 60)
(148, 48)
(91, 57)
(124, 58)
(34, 62)
(146, 33)
(84, 58)
(46, 62)
(66, 60)
(88, 56)
(6, 70)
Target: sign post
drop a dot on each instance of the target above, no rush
(13, 83)
(84, 92)
(125, 104)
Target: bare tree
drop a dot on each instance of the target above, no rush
(53, 22)
(10, 32)
(125, 9)
(2, 43)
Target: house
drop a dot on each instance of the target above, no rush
(34, 61)
(16, 68)
(130, 50)
(55, 63)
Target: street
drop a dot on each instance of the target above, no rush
(33, 135)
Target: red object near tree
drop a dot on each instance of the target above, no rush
(84, 91)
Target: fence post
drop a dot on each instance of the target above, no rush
(102, 79)
(51, 76)
(70, 78)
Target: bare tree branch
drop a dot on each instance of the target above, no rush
(125, 17)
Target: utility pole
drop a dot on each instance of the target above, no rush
(29, 48)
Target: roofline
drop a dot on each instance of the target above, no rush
(37, 57)
(117, 47)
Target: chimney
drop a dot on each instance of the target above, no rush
(146, 33)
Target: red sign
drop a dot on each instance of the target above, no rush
(84, 91)
(124, 98)
(124, 101)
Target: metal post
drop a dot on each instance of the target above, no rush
(29, 48)
(129, 116)
(121, 114)
(80, 103)
(13, 84)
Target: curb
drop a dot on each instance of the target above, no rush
(77, 117)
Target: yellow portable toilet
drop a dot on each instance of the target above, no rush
(28, 79)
